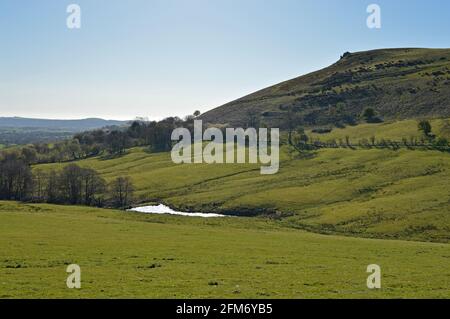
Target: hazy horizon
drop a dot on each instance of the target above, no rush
(74, 118)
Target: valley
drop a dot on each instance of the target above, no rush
(375, 192)
(363, 179)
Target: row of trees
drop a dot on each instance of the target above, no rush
(71, 185)
(299, 140)
(155, 134)
(292, 121)
(76, 185)
(109, 141)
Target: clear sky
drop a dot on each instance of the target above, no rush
(158, 58)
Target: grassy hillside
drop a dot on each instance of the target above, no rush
(134, 255)
(366, 193)
(393, 131)
(398, 83)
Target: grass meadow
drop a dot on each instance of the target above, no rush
(377, 193)
(323, 219)
(146, 256)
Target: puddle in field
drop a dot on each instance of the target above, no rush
(163, 209)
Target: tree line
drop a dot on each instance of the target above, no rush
(76, 185)
(71, 185)
(299, 140)
(110, 141)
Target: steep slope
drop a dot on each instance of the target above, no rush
(397, 83)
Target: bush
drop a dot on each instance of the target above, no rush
(425, 127)
(441, 142)
(370, 116)
(324, 130)
(375, 119)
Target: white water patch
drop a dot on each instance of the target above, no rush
(163, 209)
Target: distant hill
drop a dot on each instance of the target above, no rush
(64, 125)
(19, 131)
(397, 83)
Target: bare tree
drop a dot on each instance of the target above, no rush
(52, 188)
(16, 179)
(93, 187)
(121, 190)
(71, 184)
(40, 179)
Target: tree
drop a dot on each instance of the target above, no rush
(76, 185)
(16, 179)
(441, 142)
(161, 134)
(300, 140)
(71, 184)
(347, 141)
(39, 179)
(369, 114)
(302, 137)
(425, 127)
(292, 121)
(73, 149)
(93, 187)
(136, 128)
(29, 154)
(121, 190)
(345, 55)
(117, 142)
(52, 189)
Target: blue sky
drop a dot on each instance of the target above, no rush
(170, 57)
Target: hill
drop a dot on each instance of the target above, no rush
(145, 256)
(63, 125)
(19, 131)
(397, 83)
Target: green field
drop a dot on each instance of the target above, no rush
(309, 238)
(389, 131)
(377, 193)
(134, 255)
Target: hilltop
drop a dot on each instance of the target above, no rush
(397, 83)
